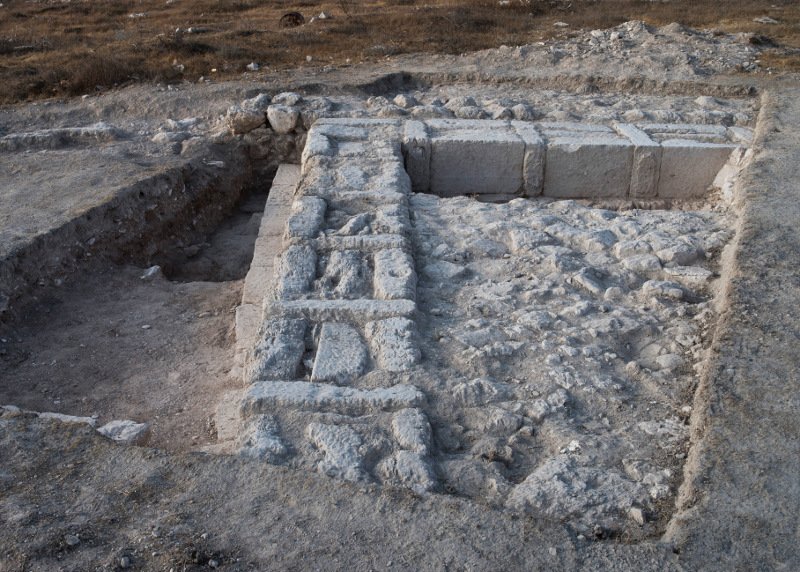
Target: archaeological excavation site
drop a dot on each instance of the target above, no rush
(529, 308)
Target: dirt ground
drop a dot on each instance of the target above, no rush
(52, 48)
(104, 341)
(115, 345)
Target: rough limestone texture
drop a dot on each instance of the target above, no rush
(126, 432)
(341, 355)
(270, 395)
(480, 159)
(340, 447)
(393, 343)
(526, 335)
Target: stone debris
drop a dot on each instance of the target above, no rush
(126, 432)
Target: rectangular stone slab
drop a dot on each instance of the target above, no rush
(475, 160)
(588, 166)
(265, 396)
(341, 354)
(689, 167)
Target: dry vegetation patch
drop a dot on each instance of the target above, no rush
(55, 47)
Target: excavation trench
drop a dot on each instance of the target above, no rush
(135, 321)
(552, 348)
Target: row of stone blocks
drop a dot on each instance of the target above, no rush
(566, 160)
(339, 306)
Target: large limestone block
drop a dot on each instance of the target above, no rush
(591, 166)
(417, 154)
(341, 355)
(688, 168)
(646, 161)
(475, 157)
(533, 164)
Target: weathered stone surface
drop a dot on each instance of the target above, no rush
(412, 431)
(688, 168)
(417, 153)
(279, 350)
(588, 166)
(268, 395)
(282, 118)
(646, 161)
(341, 355)
(126, 432)
(468, 159)
(260, 439)
(340, 446)
(393, 342)
(533, 164)
(296, 270)
(306, 219)
(410, 470)
(395, 277)
(343, 310)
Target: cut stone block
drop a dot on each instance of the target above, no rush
(688, 168)
(588, 167)
(248, 320)
(646, 161)
(279, 350)
(308, 214)
(317, 144)
(341, 355)
(340, 445)
(365, 243)
(410, 470)
(412, 431)
(417, 153)
(395, 277)
(256, 283)
(342, 310)
(265, 396)
(533, 164)
(468, 160)
(297, 268)
(260, 439)
(393, 343)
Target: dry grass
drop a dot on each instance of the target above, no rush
(54, 47)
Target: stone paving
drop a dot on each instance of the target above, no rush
(543, 344)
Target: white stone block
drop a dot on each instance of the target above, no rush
(646, 161)
(533, 164)
(394, 277)
(688, 168)
(467, 160)
(588, 167)
(393, 343)
(341, 355)
(417, 153)
(282, 118)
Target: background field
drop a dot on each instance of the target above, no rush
(72, 47)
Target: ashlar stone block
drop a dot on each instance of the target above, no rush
(688, 168)
(341, 355)
(591, 166)
(485, 159)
